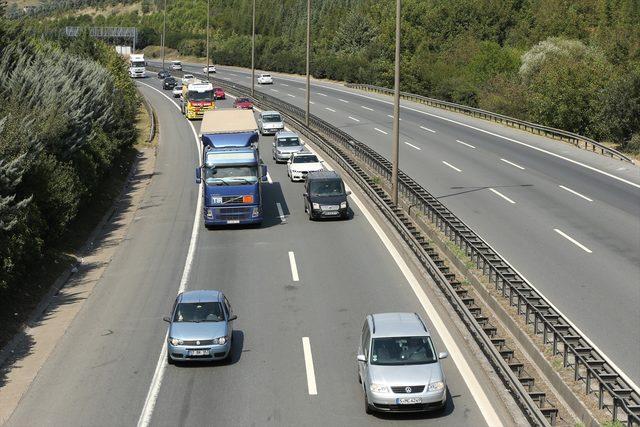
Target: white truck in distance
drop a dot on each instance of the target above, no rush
(137, 65)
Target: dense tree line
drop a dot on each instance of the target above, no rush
(572, 64)
(66, 119)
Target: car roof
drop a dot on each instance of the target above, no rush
(323, 175)
(397, 325)
(268, 113)
(286, 134)
(201, 296)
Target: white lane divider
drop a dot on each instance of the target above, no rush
(451, 166)
(572, 240)
(311, 102)
(308, 364)
(502, 195)
(284, 84)
(512, 164)
(576, 193)
(427, 129)
(354, 119)
(343, 100)
(235, 75)
(381, 131)
(367, 108)
(330, 109)
(322, 94)
(412, 146)
(275, 90)
(161, 365)
(294, 267)
(391, 116)
(293, 96)
(464, 143)
(281, 213)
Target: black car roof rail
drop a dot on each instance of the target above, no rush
(420, 319)
(373, 322)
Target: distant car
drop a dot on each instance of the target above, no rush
(301, 164)
(177, 91)
(176, 65)
(270, 122)
(243, 103)
(265, 79)
(398, 365)
(169, 83)
(163, 74)
(286, 143)
(218, 93)
(325, 196)
(210, 69)
(187, 77)
(200, 327)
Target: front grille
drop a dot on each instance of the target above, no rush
(198, 342)
(413, 389)
(329, 207)
(233, 213)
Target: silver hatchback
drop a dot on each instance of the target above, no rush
(285, 144)
(270, 122)
(398, 366)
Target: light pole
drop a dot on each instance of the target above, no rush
(208, 1)
(396, 112)
(253, 49)
(306, 116)
(164, 30)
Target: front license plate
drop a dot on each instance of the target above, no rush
(408, 400)
(198, 352)
(331, 212)
(233, 221)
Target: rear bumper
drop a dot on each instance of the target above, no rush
(271, 131)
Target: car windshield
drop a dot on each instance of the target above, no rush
(239, 100)
(230, 175)
(326, 187)
(402, 351)
(305, 159)
(199, 96)
(199, 312)
(170, 80)
(291, 141)
(187, 76)
(272, 118)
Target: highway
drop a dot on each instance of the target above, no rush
(566, 219)
(105, 370)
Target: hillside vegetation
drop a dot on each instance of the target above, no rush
(569, 64)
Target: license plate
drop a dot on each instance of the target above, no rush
(331, 212)
(198, 352)
(233, 221)
(408, 400)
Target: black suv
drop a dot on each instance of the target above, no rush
(169, 83)
(162, 74)
(325, 196)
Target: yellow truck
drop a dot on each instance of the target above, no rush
(197, 97)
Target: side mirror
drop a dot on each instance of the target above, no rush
(443, 355)
(263, 170)
(304, 194)
(167, 319)
(361, 358)
(348, 193)
(198, 175)
(234, 317)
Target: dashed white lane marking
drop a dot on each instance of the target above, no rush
(572, 240)
(576, 193)
(274, 90)
(294, 267)
(269, 180)
(283, 84)
(427, 129)
(354, 119)
(322, 94)
(235, 75)
(381, 131)
(464, 143)
(412, 146)
(343, 100)
(502, 195)
(391, 116)
(367, 108)
(302, 88)
(280, 212)
(512, 164)
(293, 96)
(311, 102)
(451, 166)
(330, 109)
(308, 364)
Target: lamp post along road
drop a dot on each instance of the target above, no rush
(306, 117)
(253, 49)
(164, 30)
(208, 1)
(396, 112)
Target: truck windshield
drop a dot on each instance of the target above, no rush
(402, 351)
(231, 175)
(137, 63)
(326, 187)
(200, 96)
(272, 118)
(288, 142)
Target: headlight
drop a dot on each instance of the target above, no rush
(175, 341)
(220, 341)
(436, 386)
(378, 388)
(316, 205)
(343, 205)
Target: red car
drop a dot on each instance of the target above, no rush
(243, 103)
(218, 93)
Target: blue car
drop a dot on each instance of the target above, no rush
(200, 327)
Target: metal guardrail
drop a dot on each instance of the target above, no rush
(613, 391)
(573, 138)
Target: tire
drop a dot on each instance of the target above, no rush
(367, 408)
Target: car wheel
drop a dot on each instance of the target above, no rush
(367, 408)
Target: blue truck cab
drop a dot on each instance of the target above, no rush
(231, 173)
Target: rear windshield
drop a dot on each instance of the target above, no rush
(266, 75)
(272, 118)
(198, 312)
(291, 141)
(243, 100)
(170, 80)
(199, 96)
(402, 351)
(305, 159)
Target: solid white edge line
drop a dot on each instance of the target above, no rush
(467, 374)
(367, 108)
(572, 240)
(575, 192)
(413, 146)
(451, 166)
(158, 374)
(381, 131)
(330, 109)
(464, 143)
(354, 119)
(512, 164)
(308, 365)
(294, 267)
(502, 195)
(427, 129)
(280, 212)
